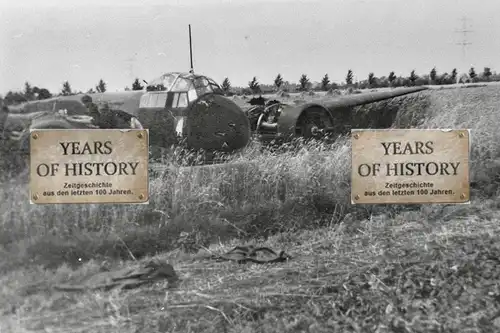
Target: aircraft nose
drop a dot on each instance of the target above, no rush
(216, 123)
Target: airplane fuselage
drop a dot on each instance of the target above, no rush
(210, 121)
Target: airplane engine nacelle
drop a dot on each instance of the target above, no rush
(317, 120)
(214, 122)
(308, 121)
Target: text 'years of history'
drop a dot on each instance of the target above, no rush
(89, 166)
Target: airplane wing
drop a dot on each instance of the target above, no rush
(369, 97)
(127, 101)
(335, 115)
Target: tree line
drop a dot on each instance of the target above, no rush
(372, 81)
(31, 93)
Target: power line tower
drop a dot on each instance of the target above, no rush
(464, 42)
(130, 66)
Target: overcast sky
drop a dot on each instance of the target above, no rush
(47, 42)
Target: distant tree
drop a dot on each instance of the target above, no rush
(422, 80)
(413, 77)
(254, 85)
(226, 85)
(391, 78)
(158, 87)
(382, 82)
(443, 79)
(349, 77)
(29, 94)
(453, 76)
(304, 82)
(487, 73)
(433, 75)
(91, 91)
(66, 90)
(371, 80)
(286, 84)
(278, 81)
(137, 85)
(43, 94)
(325, 83)
(464, 78)
(101, 86)
(14, 98)
(401, 81)
(127, 88)
(472, 74)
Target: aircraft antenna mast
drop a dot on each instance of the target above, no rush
(191, 50)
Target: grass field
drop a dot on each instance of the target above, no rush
(424, 268)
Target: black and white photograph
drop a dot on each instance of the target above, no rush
(249, 166)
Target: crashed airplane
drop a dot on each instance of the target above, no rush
(174, 107)
(189, 109)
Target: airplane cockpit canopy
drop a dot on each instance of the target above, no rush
(177, 90)
(184, 82)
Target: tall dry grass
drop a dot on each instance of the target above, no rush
(258, 194)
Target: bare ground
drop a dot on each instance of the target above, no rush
(403, 274)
